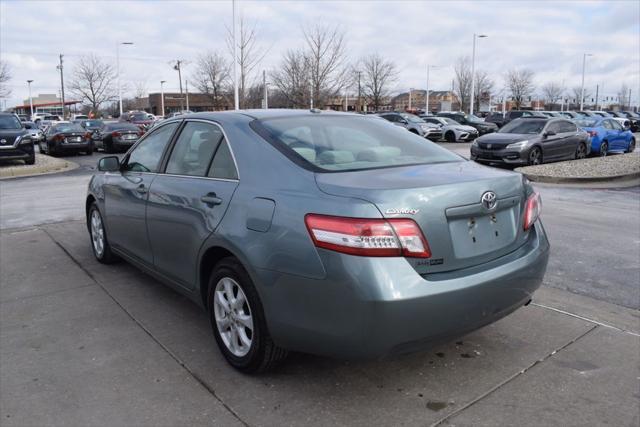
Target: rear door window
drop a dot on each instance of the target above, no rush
(193, 151)
(223, 166)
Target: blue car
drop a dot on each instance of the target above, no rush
(607, 136)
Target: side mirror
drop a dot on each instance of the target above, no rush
(549, 133)
(109, 164)
(404, 122)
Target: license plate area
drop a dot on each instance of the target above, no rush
(476, 235)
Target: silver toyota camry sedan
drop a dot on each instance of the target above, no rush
(321, 232)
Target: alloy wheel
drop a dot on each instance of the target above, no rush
(97, 233)
(581, 153)
(603, 149)
(233, 317)
(535, 156)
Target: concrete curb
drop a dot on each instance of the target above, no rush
(53, 165)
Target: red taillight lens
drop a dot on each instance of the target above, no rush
(116, 134)
(368, 237)
(58, 138)
(87, 135)
(593, 133)
(532, 210)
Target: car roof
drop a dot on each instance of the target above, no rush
(261, 114)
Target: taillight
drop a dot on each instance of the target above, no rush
(58, 138)
(368, 237)
(592, 133)
(532, 210)
(116, 134)
(87, 135)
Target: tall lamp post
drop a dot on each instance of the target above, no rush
(30, 99)
(118, 71)
(410, 90)
(473, 68)
(584, 63)
(426, 104)
(162, 82)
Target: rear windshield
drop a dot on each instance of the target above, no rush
(10, 122)
(68, 127)
(331, 143)
(121, 126)
(524, 126)
(92, 123)
(139, 116)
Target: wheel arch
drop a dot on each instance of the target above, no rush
(210, 258)
(87, 205)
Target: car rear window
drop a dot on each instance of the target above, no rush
(121, 126)
(68, 127)
(335, 143)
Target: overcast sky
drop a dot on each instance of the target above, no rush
(548, 37)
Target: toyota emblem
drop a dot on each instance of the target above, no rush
(489, 200)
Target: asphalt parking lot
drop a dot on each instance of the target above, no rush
(87, 344)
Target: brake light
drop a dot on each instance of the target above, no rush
(368, 237)
(592, 133)
(116, 134)
(532, 210)
(58, 138)
(87, 135)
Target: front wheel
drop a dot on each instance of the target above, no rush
(604, 147)
(535, 157)
(238, 321)
(31, 160)
(581, 151)
(450, 136)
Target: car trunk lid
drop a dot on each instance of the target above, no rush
(445, 201)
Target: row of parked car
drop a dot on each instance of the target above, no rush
(628, 119)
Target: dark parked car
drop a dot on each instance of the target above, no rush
(15, 140)
(112, 137)
(414, 124)
(139, 118)
(634, 119)
(92, 125)
(66, 137)
(321, 232)
(512, 115)
(532, 141)
(471, 120)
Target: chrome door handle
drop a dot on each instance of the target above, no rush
(211, 199)
(141, 189)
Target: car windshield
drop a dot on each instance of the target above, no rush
(332, 143)
(451, 121)
(68, 127)
(586, 123)
(10, 122)
(93, 124)
(411, 118)
(524, 126)
(472, 118)
(121, 126)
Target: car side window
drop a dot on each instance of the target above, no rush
(554, 127)
(223, 165)
(145, 157)
(606, 124)
(616, 125)
(567, 127)
(192, 153)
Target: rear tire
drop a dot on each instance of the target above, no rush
(31, 160)
(108, 147)
(233, 303)
(581, 151)
(450, 136)
(604, 147)
(632, 146)
(98, 234)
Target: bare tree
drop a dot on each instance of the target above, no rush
(5, 76)
(325, 56)
(249, 56)
(623, 96)
(520, 84)
(482, 89)
(378, 74)
(552, 92)
(462, 81)
(92, 81)
(291, 79)
(577, 94)
(211, 77)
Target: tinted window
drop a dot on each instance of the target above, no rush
(67, 127)
(139, 116)
(616, 125)
(523, 126)
(92, 123)
(555, 127)
(194, 149)
(223, 165)
(607, 124)
(566, 127)
(146, 156)
(587, 123)
(121, 126)
(336, 143)
(10, 122)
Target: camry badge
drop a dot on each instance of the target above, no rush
(489, 200)
(402, 211)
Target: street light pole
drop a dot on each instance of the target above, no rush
(30, 99)
(118, 72)
(162, 82)
(584, 63)
(473, 69)
(410, 90)
(426, 104)
(236, 101)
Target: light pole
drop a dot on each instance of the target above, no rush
(584, 63)
(473, 68)
(162, 82)
(30, 99)
(426, 104)
(236, 100)
(118, 71)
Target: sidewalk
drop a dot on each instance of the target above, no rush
(86, 344)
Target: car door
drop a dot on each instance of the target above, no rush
(610, 134)
(187, 201)
(618, 141)
(127, 191)
(571, 138)
(552, 143)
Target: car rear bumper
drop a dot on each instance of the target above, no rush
(75, 146)
(375, 307)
